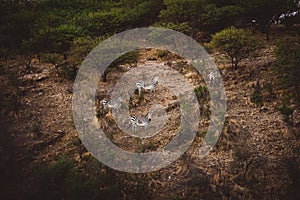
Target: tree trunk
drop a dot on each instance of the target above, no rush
(39, 57)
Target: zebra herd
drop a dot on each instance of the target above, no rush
(135, 121)
(141, 121)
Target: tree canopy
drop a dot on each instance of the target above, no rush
(52, 26)
(238, 44)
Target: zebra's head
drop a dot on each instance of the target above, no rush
(149, 116)
(155, 80)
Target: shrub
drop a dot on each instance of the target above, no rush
(201, 92)
(127, 58)
(256, 96)
(288, 64)
(81, 47)
(183, 27)
(180, 11)
(51, 58)
(287, 113)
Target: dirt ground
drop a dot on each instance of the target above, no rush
(257, 155)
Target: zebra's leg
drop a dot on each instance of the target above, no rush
(151, 91)
(133, 127)
(105, 107)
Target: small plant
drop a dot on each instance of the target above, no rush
(269, 89)
(148, 146)
(2, 69)
(68, 71)
(131, 100)
(201, 92)
(36, 128)
(51, 58)
(75, 141)
(180, 64)
(162, 53)
(256, 96)
(201, 133)
(13, 82)
(287, 113)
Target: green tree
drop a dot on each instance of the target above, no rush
(15, 23)
(238, 44)
(216, 17)
(180, 11)
(181, 27)
(81, 47)
(263, 11)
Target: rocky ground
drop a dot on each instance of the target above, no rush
(257, 155)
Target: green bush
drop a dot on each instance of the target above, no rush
(182, 11)
(256, 96)
(287, 112)
(238, 44)
(183, 27)
(51, 58)
(127, 58)
(201, 92)
(81, 47)
(288, 64)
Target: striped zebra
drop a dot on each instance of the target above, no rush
(141, 121)
(151, 87)
(108, 105)
(139, 85)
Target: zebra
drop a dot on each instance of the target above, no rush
(212, 75)
(141, 121)
(111, 104)
(139, 85)
(151, 87)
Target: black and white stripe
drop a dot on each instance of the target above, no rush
(111, 104)
(141, 121)
(151, 87)
(139, 85)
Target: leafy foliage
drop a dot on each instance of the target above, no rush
(180, 11)
(52, 26)
(238, 44)
(180, 27)
(201, 92)
(81, 46)
(217, 17)
(288, 63)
